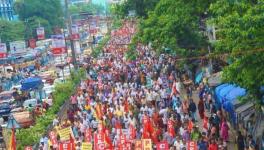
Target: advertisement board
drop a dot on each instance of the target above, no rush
(18, 48)
(41, 33)
(75, 32)
(3, 51)
(58, 44)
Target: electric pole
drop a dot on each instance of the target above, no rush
(69, 24)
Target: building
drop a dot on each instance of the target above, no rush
(6, 9)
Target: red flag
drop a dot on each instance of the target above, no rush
(13, 140)
(53, 138)
(126, 106)
(108, 139)
(205, 122)
(72, 142)
(146, 125)
(132, 132)
(170, 127)
(190, 126)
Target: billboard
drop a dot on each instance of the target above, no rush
(58, 44)
(75, 32)
(17, 47)
(41, 33)
(3, 51)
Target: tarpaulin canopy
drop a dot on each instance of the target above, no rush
(31, 83)
(226, 95)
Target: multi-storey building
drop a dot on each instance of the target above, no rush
(6, 9)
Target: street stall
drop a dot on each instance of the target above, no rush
(227, 96)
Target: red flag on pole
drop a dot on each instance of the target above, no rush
(13, 140)
(170, 127)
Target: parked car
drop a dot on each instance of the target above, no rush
(5, 109)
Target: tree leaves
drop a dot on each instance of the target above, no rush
(240, 27)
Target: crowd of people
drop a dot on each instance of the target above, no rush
(123, 101)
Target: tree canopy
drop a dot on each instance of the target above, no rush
(89, 7)
(11, 31)
(48, 12)
(240, 32)
(141, 7)
(173, 25)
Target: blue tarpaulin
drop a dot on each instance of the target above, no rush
(31, 83)
(226, 95)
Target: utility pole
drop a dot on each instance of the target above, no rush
(69, 24)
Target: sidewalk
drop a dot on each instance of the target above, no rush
(232, 134)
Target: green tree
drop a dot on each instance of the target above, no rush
(48, 11)
(240, 32)
(141, 7)
(89, 7)
(173, 25)
(11, 31)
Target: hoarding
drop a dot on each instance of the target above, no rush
(41, 33)
(18, 48)
(3, 51)
(58, 44)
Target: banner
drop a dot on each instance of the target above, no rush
(18, 48)
(67, 145)
(162, 146)
(191, 145)
(75, 33)
(58, 44)
(32, 43)
(41, 33)
(147, 144)
(65, 134)
(99, 141)
(3, 51)
(28, 148)
(138, 145)
(53, 138)
(87, 146)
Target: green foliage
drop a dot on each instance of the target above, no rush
(48, 12)
(89, 7)
(100, 46)
(33, 23)
(141, 7)
(240, 25)
(174, 25)
(131, 54)
(11, 31)
(63, 91)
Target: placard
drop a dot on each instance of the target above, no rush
(87, 146)
(192, 145)
(147, 144)
(3, 51)
(138, 145)
(65, 134)
(53, 138)
(162, 146)
(41, 33)
(67, 145)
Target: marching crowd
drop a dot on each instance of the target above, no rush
(125, 100)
